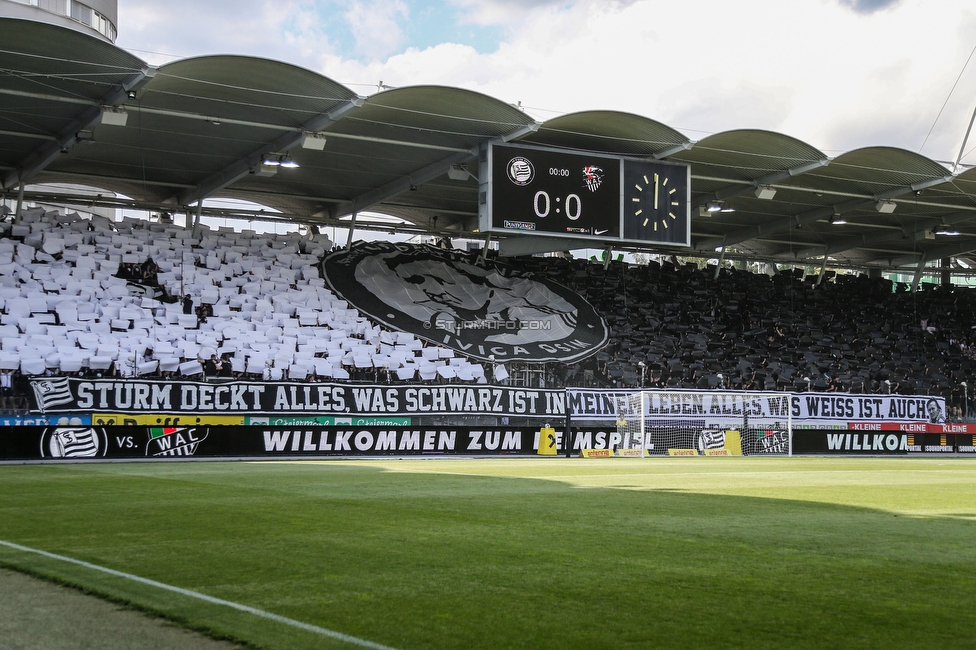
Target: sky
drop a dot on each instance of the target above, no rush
(837, 74)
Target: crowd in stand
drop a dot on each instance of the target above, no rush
(93, 298)
(679, 326)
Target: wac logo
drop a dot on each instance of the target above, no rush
(73, 442)
(175, 441)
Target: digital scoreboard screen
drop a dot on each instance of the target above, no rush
(538, 191)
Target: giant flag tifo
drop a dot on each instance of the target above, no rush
(478, 308)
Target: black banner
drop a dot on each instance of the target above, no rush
(93, 442)
(840, 441)
(484, 312)
(69, 395)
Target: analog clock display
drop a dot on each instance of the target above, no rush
(656, 202)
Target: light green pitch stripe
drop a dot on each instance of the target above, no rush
(210, 599)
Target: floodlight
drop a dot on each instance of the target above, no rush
(275, 159)
(837, 219)
(458, 173)
(113, 116)
(714, 207)
(765, 192)
(885, 206)
(313, 141)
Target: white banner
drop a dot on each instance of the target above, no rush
(805, 409)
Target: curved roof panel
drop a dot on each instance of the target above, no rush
(748, 154)
(244, 88)
(874, 170)
(201, 127)
(612, 132)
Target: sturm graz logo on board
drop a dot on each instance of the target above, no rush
(480, 311)
(73, 442)
(521, 171)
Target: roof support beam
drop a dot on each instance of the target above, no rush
(48, 97)
(768, 179)
(918, 274)
(68, 136)
(25, 134)
(243, 166)
(968, 245)
(404, 183)
(678, 148)
(870, 239)
(781, 224)
(424, 174)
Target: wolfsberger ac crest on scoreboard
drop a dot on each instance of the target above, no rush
(480, 311)
(582, 195)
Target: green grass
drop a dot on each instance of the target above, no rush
(679, 553)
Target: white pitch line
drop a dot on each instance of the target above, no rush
(210, 599)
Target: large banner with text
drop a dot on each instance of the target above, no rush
(234, 401)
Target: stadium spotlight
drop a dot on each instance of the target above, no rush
(313, 141)
(837, 220)
(278, 160)
(459, 173)
(885, 206)
(714, 207)
(765, 192)
(113, 116)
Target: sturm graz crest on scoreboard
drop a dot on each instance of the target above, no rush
(481, 311)
(520, 171)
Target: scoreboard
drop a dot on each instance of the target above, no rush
(559, 193)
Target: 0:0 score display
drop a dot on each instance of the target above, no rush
(536, 190)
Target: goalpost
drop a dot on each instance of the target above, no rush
(705, 423)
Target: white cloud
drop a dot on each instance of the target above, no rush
(839, 74)
(375, 26)
(289, 30)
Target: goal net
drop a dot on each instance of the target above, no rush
(705, 423)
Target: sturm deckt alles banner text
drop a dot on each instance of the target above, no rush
(803, 408)
(72, 395)
(156, 396)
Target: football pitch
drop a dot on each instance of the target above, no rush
(499, 553)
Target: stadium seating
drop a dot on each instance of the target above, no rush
(679, 326)
(94, 297)
(81, 296)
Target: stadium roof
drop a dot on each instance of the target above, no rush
(199, 128)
